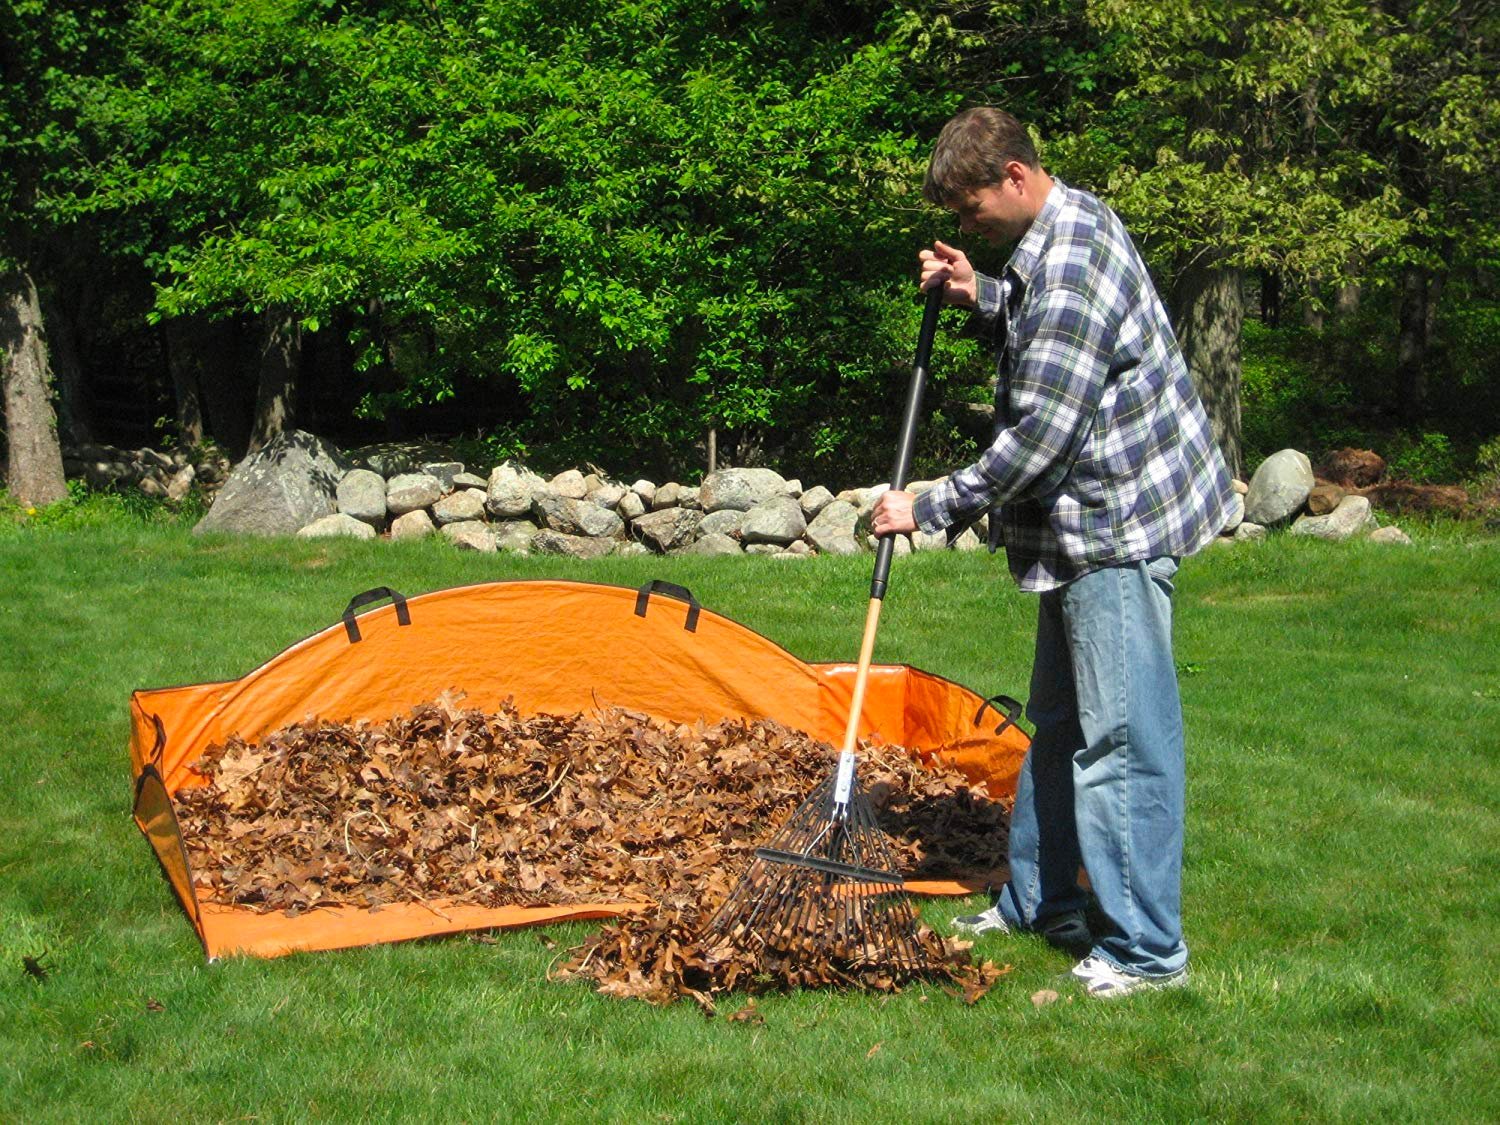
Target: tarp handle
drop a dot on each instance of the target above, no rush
(1007, 707)
(378, 594)
(671, 590)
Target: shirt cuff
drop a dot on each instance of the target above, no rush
(989, 295)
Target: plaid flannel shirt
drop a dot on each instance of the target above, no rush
(1102, 452)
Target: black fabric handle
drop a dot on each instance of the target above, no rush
(908, 440)
(1008, 708)
(671, 590)
(378, 594)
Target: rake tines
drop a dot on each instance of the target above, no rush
(824, 889)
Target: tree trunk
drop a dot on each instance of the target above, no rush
(185, 362)
(1346, 304)
(1270, 298)
(33, 457)
(276, 398)
(1210, 311)
(1411, 341)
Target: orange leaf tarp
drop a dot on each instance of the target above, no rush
(550, 646)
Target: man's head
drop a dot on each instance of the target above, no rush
(985, 168)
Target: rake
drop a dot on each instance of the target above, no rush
(824, 887)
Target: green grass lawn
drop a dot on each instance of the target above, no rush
(1343, 709)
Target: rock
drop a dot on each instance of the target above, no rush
(286, 485)
(1350, 518)
(726, 521)
(968, 540)
(591, 482)
(361, 494)
(470, 535)
(1324, 498)
(794, 489)
(668, 528)
(629, 548)
(762, 549)
(413, 525)
(714, 543)
(407, 492)
(391, 458)
(182, 482)
(469, 480)
(460, 507)
(797, 550)
(153, 488)
(1234, 514)
(631, 506)
(1352, 468)
(509, 491)
(740, 489)
(444, 471)
(1390, 535)
(929, 541)
(832, 530)
(1279, 487)
(645, 490)
(688, 497)
(1239, 486)
(1249, 533)
(514, 535)
(607, 495)
(548, 542)
(778, 520)
(337, 526)
(902, 547)
(665, 496)
(815, 499)
(576, 517)
(569, 483)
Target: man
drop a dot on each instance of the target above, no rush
(1101, 476)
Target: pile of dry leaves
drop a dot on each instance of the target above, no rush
(611, 806)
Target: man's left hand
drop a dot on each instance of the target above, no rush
(892, 513)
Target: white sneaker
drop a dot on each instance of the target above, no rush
(1102, 980)
(986, 922)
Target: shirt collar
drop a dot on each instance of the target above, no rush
(1025, 258)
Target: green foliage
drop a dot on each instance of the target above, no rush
(86, 507)
(1426, 458)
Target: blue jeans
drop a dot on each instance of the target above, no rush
(1102, 786)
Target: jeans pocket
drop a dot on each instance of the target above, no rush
(1163, 569)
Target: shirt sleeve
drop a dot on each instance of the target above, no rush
(1056, 385)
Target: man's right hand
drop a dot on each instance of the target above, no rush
(949, 267)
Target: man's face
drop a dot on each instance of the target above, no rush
(997, 214)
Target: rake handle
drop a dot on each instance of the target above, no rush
(883, 550)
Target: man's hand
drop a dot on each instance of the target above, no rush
(946, 266)
(892, 513)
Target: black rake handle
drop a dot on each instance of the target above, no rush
(909, 421)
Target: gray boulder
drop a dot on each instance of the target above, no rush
(182, 482)
(666, 496)
(445, 471)
(778, 520)
(726, 521)
(713, 544)
(1279, 488)
(469, 480)
(548, 542)
(1236, 514)
(832, 530)
(509, 491)
(740, 489)
(1350, 518)
(667, 529)
(1393, 536)
(815, 499)
(407, 492)
(570, 484)
(631, 506)
(630, 548)
(576, 517)
(459, 507)
(337, 526)
(413, 525)
(607, 495)
(361, 494)
(645, 490)
(470, 535)
(1248, 532)
(514, 535)
(290, 482)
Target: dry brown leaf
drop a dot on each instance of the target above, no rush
(1044, 996)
